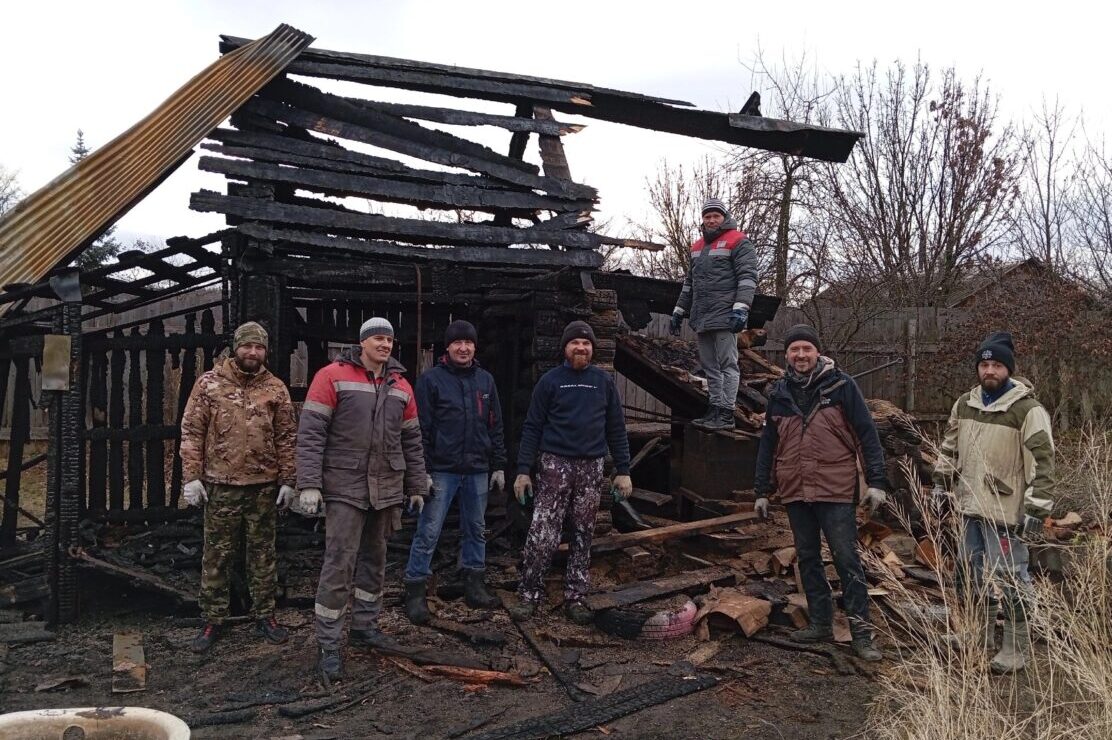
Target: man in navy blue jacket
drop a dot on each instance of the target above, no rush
(574, 416)
(461, 431)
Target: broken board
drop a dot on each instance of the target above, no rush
(129, 666)
(644, 590)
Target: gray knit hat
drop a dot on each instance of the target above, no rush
(376, 326)
(714, 204)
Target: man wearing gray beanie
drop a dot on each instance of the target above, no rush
(717, 293)
(359, 455)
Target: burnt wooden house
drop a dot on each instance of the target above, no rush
(338, 207)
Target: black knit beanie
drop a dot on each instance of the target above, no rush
(997, 346)
(578, 330)
(460, 330)
(804, 333)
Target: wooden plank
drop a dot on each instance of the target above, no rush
(552, 149)
(346, 222)
(644, 452)
(664, 534)
(135, 577)
(20, 432)
(135, 465)
(363, 186)
(644, 590)
(24, 633)
(452, 116)
(98, 413)
(116, 419)
(155, 392)
(129, 664)
(477, 255)
(653, 497)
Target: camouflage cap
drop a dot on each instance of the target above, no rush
(249, 332)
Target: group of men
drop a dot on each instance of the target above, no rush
(366, 443)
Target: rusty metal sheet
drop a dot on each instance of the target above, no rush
(52, 224)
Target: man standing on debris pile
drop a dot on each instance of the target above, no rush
(358, 450)
(461, 432)
(237, 452)
(997, 460)
(574, 416)
(817, 431)
(717, 293)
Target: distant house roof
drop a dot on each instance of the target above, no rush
(52, 225)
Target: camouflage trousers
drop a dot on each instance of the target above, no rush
(566, 488)
(230, 510)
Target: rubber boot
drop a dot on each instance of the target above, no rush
(710, 417)
(1015, 650)
(475, 593)
(814, 633)
(416, 608)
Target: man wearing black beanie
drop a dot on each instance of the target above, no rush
(715, 299)
(996, 461)
(465, 455)
(575, 415)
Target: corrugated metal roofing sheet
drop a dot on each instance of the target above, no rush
(51, 225)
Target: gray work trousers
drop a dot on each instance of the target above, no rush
(354, 556)
(718, 356)
(989, 557)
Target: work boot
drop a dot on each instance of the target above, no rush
(1015, 650)
(416, 608)
(726, 417)
(268, 628)
(523, 610)
(330, 664)
(865, 649)
(373, 639)
(983, 639)
(578, 613)
(204, 639)
(814, 633)
(475, 593)
(709, 417)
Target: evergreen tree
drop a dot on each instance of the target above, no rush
(107, 246)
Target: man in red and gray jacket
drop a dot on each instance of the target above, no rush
(358, 449)
(817, 432)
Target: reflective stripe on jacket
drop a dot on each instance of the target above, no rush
(721, 274)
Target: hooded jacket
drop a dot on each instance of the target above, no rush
(359, 438)
(998, 460)
(816, 457)
(461, 419)
(238, 429)
(723, 272)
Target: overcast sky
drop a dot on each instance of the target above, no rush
(102, 66)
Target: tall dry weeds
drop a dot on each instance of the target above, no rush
(940, 686)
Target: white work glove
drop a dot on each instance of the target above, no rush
(523, 488)
(874, 499)
(286, 496)
(417, 503)
(497, 480)
(194, 493)
(623, 487)
(761, 507)
(310, 501)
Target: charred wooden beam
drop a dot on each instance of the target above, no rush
(422, 196)
(552, 149)
(455, 117)
(376, 226)
(475, 255)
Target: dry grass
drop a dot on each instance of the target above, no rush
(939, 689)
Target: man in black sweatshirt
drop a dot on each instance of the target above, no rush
(574, 415)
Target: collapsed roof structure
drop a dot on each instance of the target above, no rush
(303, 255)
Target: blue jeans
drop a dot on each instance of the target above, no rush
(471, 489)
(990, 556)
(838, 522)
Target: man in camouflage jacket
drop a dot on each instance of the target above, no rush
(237, 446)
(359, 453)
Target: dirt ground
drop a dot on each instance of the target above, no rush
(763, 691)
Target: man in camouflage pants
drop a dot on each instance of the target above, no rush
(574, 416)
(237, 446)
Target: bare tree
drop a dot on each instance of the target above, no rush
(1091, 220)
(930, 188)
(10, 192)
(1047, 182)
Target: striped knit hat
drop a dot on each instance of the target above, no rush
(714, 204)
(375, 326)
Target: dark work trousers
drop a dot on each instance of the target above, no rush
(838, 522)
(354, 568)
